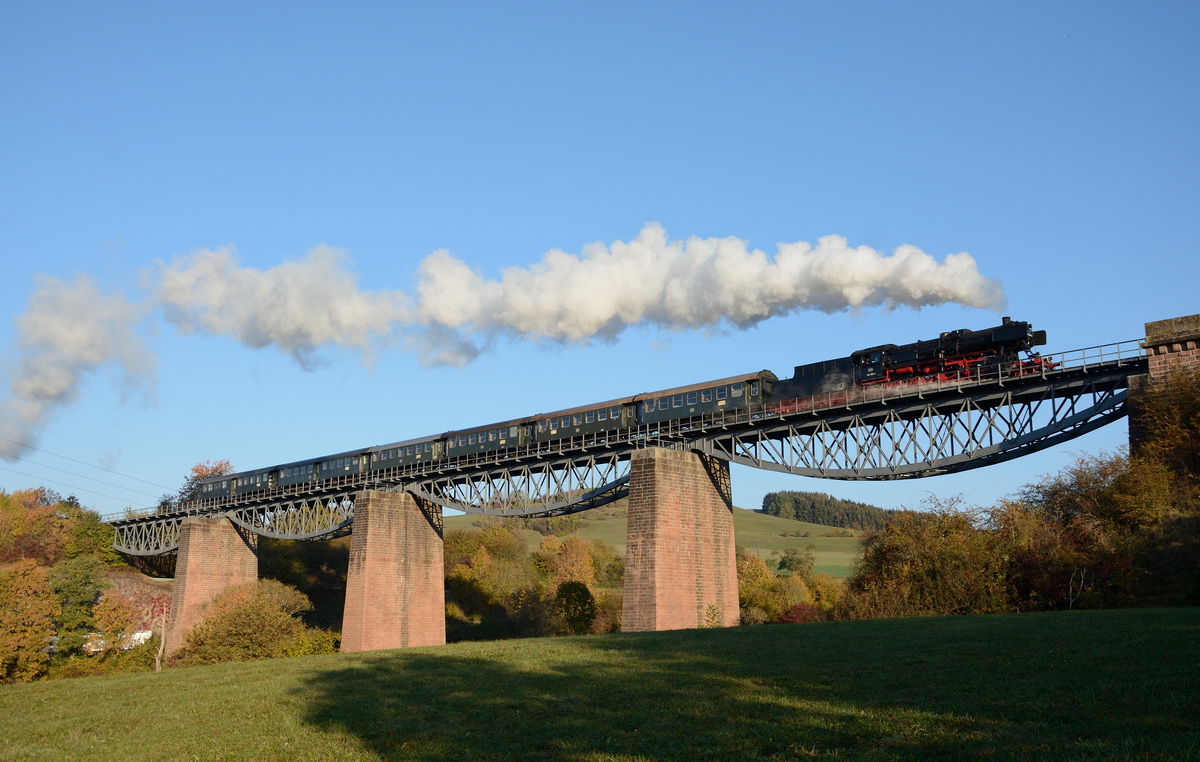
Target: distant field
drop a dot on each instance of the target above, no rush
(755, 531)
(1097, 685)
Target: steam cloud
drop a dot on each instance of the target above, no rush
(69, 330)
(455, 313)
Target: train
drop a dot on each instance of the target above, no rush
(953, 355)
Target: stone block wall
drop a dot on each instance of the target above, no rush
(1170, 344)
(1173, 343)
(679, 552)
(395, 587)
(214, 555)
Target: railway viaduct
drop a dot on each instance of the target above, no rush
(680, 564)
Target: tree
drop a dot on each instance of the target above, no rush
(114, 616)
(568, 560)
(30, 527)
(576, 605)
(796, 561)
(191, 485)
(28, 609)
(77, 583)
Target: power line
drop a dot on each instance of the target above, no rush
(90, 478)
(84, 463)
(72, 486)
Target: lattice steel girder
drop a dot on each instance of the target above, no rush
(315, 519)
(148, 537)
(545, 488)
(927, 437)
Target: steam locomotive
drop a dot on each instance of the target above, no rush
(954, 355)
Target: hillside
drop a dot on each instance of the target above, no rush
(754, 531)
(825, 509)
(1074, 685)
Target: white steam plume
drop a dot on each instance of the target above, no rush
(297, 306)
(69, 330)
(697, 283)
(597, 294)
(304, 306)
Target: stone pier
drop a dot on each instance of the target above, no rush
(680, 564)
(395, 587)
(1170, 345)
(214, 555)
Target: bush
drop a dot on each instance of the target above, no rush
(928, 564)
(253, 621)
(802, 612)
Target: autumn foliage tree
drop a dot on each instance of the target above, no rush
(190, 490)
(28, 609)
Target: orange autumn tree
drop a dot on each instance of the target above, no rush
(191, 485)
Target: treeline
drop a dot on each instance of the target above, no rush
(1108, 531)
(499, 587)
(819, 508)
(56, 558)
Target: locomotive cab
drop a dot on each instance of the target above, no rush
(870, 365)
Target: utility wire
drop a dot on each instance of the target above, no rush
(72, 486)
(84, 463)
(89, 478)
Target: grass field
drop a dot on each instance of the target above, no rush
(1083, 686)
(755, 531)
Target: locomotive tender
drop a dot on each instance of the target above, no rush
(954, 355)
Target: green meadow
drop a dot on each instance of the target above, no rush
(757, 532)
(1098, 685)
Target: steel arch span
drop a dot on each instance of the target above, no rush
(866, 433)
(927, 437)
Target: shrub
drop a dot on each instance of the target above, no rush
(253, 621)
(801, 612)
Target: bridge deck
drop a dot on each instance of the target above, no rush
(855, 407)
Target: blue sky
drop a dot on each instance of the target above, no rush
(1054, 143)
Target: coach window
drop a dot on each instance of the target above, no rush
(578, 419)
(589, 417)
(754, 389)
(492, 435)
(648, 406)
(664, 403)
(738, 389)
(722, 392)
(615, 413)
(706, 395)
(677, 400)
(692, 397)
(602, 415)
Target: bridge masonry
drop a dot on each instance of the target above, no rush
(680, 564)
(1171, 345)
(214, 555)
(395, 587)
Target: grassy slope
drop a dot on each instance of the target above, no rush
(1082, 685)
(754, 531)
